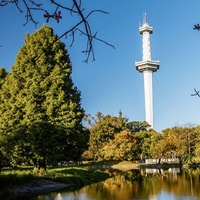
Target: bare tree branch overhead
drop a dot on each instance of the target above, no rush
(196, 93)
(29, 7)
(196, 27)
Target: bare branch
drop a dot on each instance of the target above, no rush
(64, 7)
(196, 27)
(3, 4)
(87, 32)
(28, 12)
(103, 41)
(29, 7)
(197, 93)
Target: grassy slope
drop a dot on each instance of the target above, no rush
(78, 176)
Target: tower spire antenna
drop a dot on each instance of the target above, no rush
(145, 18)
(147, 66)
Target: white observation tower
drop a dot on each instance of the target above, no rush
(147, 67)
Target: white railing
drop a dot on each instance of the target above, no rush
(162, 160)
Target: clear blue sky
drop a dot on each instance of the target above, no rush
(111, 83)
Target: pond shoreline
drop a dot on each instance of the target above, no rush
(130, 166)
(41, 186)
(37, 187)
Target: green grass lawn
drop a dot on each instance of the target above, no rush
(78, 176)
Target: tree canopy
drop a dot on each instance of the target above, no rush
(113, 137)
(40, 107)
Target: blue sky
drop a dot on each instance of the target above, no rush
(111, 83)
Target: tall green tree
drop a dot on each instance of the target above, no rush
(39, 99)
(3, 74)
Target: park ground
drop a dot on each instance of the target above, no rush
(24, 181)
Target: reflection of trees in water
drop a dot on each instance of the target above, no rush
(119, 186)
(193, 175)
(139, 184)
(184, 183)
(180, 183)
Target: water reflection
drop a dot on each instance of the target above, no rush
(151, 184)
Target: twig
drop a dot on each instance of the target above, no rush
(28, 7)
(197, 93)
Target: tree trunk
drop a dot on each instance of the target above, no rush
(42, 165)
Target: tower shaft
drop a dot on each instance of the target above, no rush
(148, 94)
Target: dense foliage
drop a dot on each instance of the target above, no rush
(180, 142)
(112, 138)
(40, 109)
(115, 138)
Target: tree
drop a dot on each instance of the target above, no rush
(114, 137)
(3, 74)
(159, 149)
(145, 142)
(103, 130)
(74, 8)
(196, 145)
(40, 105)
(122, 147)
(171, 143)
(189, 135)
(136, 126)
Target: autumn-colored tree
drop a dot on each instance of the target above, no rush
(191, 137)
(102, 130)
(171, 144)
(196, 142)
(113, 138)
(159, 149)
(122, 147)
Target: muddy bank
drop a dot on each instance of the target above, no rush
(37, 187)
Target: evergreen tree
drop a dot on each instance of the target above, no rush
(3, 74)
(40, 103)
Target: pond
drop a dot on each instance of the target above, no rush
(151, 184)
